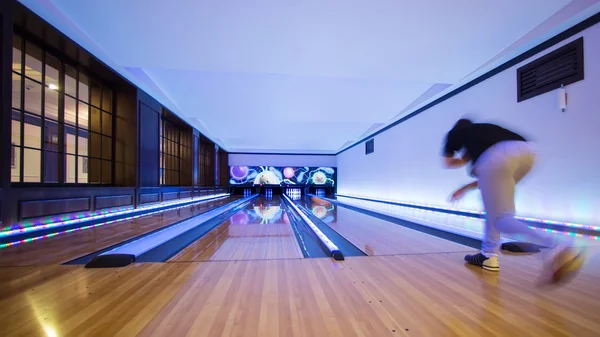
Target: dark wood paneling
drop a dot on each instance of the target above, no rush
(6, 33)
(149, 198)
(223, 168)
(186, 157)
(149, 146)
(170, 195)
(42, 208)
(125, 138)
(113, 201)
(19, 195)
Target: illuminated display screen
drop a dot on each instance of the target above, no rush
(285, 175)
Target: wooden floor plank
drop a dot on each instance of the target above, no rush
(403, 295)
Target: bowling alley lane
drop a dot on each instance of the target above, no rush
(463, 225)
(64, 247)
(375, 236)
(261, 231)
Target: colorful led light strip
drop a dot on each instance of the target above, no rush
(18, 242)
(20, 230)
(578, 235)
(446, 210)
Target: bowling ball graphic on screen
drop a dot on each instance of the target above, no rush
(239, 173)
(289, 173)
(319, 178)
(266, 178)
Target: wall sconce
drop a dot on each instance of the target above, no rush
(562, 98)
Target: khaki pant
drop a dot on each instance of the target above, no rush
(498, 170)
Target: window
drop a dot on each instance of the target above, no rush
(61, 121)
(170, 149)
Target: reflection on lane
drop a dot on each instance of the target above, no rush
(375, 236)
(258, 232)
(322, 209)
(464, 225)
(74, 244)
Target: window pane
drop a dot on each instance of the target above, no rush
(95, 145)
(50, 167)
(83, 170)
(33, 61)
(106, 147)
(16, 128)
(84, 88)
(83, 115)
(16, 91)
(95, 167)
(51, 104)
(53, 66)
(70, 110)
(51, 136)
(106, 99)
(83, 143)
(96, 94)
(31, 166)
(32, 131)
(70, 169)
(70, 141)
(95, 124)
(70, 81)
(33, 97)
(17, 53)
(106, 124)
(15, 164)
(106, 172)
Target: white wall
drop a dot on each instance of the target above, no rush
(281, 160)
(565, 184)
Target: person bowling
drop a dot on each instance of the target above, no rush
(499, 158)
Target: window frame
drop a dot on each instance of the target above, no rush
(59, 150)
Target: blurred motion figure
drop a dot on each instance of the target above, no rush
(499, 158)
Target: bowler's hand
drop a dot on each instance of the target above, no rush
(457, 195)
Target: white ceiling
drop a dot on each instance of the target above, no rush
(304, 76)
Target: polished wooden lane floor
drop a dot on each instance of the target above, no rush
(259, 232)
(66, 247)
(379, 237)
(404, 295)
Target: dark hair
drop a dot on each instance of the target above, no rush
(463, 122)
